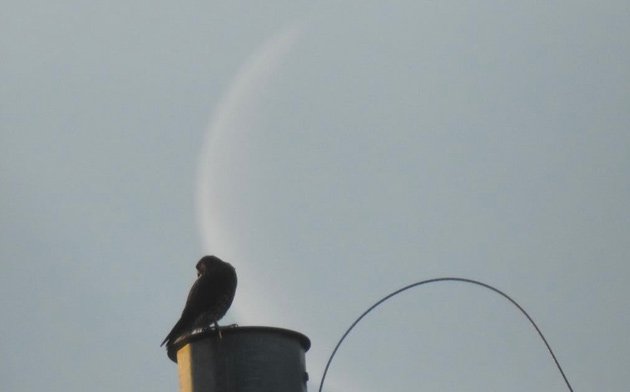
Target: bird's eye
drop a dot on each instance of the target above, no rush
(198, 274)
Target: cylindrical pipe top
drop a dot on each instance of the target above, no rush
(244, 359)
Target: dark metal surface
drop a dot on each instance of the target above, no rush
(245, 359)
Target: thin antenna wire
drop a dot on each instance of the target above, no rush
(321, 383)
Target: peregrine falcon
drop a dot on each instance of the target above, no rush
(209, 299)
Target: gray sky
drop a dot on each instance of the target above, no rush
(332, 153)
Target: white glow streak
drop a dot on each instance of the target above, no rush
(228, 118)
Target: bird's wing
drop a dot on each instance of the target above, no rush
(194, 306)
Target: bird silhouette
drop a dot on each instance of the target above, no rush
(209, 299)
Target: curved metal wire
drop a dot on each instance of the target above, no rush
(321, 384)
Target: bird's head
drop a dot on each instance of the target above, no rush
(206, 263)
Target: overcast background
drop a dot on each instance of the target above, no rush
(332, 152)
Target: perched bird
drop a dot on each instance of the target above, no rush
(209, 299)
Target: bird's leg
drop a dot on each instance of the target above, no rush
(216, 326)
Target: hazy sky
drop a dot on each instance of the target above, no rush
(332, 152)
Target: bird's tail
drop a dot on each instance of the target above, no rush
(174, 332)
